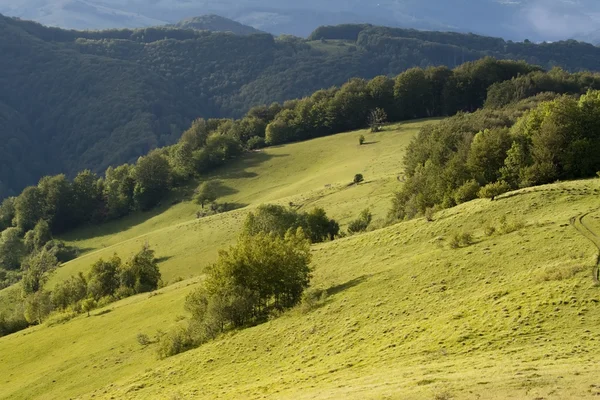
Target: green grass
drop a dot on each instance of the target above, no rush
(309, 174)
(514, 315)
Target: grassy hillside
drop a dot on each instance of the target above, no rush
(309, 174)
(515, 314)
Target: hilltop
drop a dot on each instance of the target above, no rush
(215, 23)
(549, 20)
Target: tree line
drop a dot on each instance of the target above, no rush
(209, 143)
(106, 282)
(167, 77)
(536, 141)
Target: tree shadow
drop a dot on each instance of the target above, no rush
(345, 286)
(368, 143)
(235, 169)
(162, 259)
(238, 168)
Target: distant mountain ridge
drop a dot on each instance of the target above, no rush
(537, 20)
(215, 23)
(74, 100)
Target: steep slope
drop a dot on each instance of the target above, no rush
(216, 23)
(514, 314)
(308, 174)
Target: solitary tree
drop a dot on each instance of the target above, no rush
(88, 305)
(206, 193)
(377, 118)
(358, 178)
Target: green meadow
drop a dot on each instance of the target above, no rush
(514, 313)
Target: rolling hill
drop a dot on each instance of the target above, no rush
(512, 314)
(215, 23)
(75, 100)
(517, 20)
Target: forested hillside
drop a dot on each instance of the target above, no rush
(215, 23)
(75, 100)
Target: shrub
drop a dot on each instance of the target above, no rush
(12, 323)
(467, 192)
(311, 299)
(262, 275)
(361, 140)
(358, 178)
(88, 305)
(256, 142)
(429, 212)
(489, 230)
(490, 191)
(59, 318)
(143, 339)
(141, 272)
(174, 342)
(278, 220)
(361, 223)
(507, 227)
(459, 240)
(37, 307)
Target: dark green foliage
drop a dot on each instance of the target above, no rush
(467, 192)
(38, 306)
(13, 322)
(361, 223)
(38, 237)
(7, 213)
(358, 178)
(361, 140)
(152, 175)
(36, 270)
(206, 193)
(11, 249)
(167, 77)
(557, 139)
(278, 220)
(119, 186)
(69, 293)
(28, 208)
(494, 189)
(141, 273)
(261, 274)
(103, 278)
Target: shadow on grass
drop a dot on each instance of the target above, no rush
(103, 312)
(161, 260)
(235, 169)
(348, 285)
(368, 143)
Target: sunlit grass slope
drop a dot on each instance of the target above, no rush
(514, 315)
(311, 173)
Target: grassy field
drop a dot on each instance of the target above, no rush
(309, 174)
(515, 314)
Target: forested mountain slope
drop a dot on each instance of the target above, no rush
(74, 100)
(216, 23)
